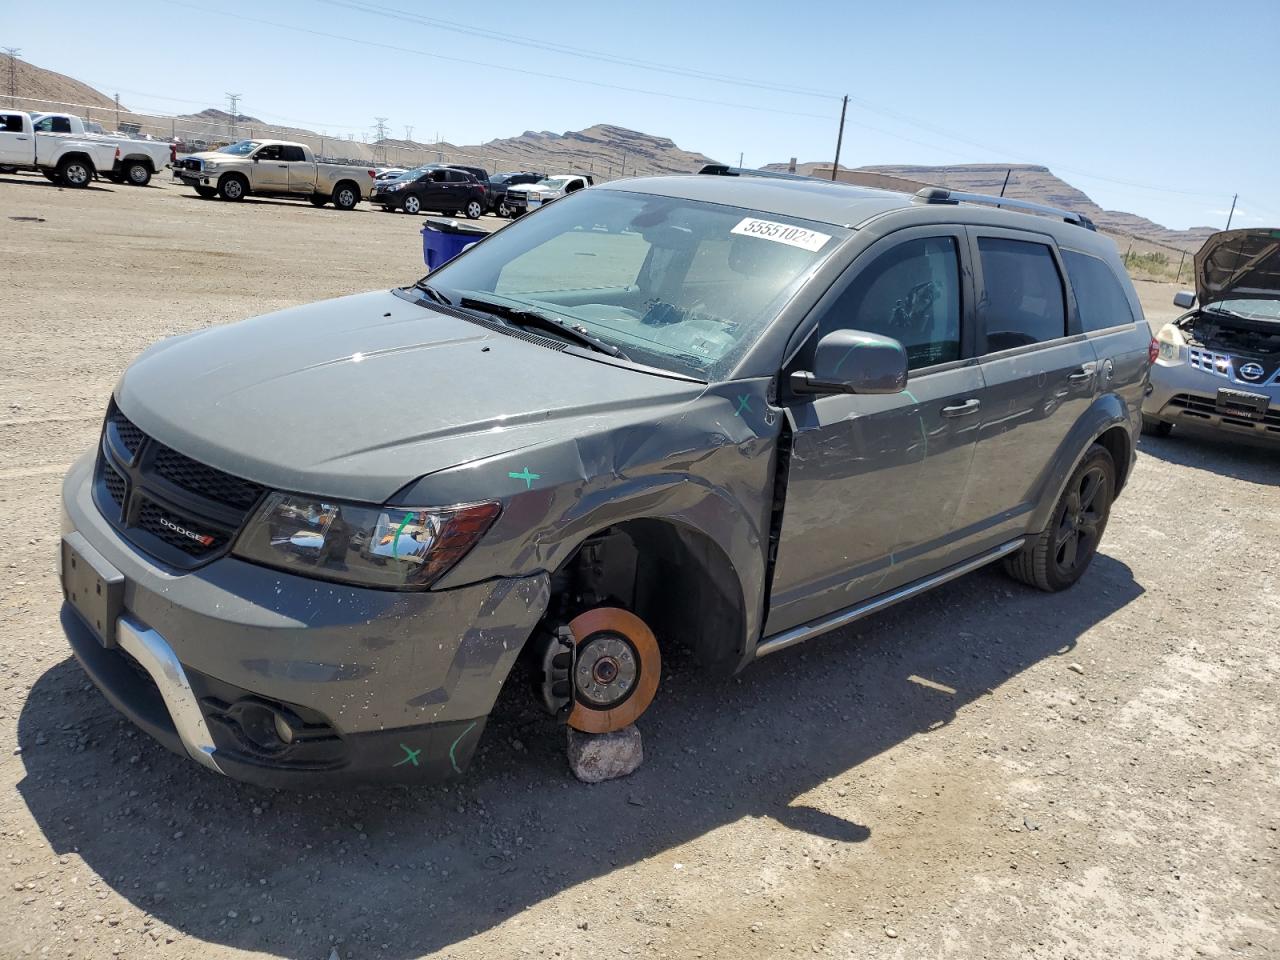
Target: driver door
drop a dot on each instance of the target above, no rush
(875, 481)
(270, 172)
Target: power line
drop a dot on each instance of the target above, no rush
(501, 66)
(399, 15)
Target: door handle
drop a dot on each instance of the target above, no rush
(962, 409)
(283, 166)
(1084, 374)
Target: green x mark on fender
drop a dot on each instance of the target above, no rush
(411, 756)
(526, 476)
(744, 403)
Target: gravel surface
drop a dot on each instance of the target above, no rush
(985, 772)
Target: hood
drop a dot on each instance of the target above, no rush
(1239, 265)
(356, 397)
(532, 188)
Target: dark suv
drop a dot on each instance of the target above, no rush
(724, 413)
(434, 187)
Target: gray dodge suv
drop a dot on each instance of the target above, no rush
(728, 413)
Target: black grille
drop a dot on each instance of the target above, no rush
(169, 527)
(172, 506)
(1205, 407)
(115, 484)
(205, 481)
(130, 435)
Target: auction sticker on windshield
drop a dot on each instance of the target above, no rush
(809, 240)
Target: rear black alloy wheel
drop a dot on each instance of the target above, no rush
(1059, 556)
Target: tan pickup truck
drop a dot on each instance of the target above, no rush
(273, 168)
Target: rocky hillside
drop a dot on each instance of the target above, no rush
(35, 84)
(1031, 182)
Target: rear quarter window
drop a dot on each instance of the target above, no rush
(1100, 298)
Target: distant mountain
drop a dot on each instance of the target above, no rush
(1029, 182)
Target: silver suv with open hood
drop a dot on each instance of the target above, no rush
(1219, 364)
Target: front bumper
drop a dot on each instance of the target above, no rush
(195, 178)
(378, 685)
(1182, 394)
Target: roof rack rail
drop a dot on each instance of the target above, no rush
(942, 195)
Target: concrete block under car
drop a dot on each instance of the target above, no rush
(596, 757)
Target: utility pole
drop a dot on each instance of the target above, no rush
(1233, 210)
(117, 99)
(13, 74)
(233, 99)
(408, 133)
(839, 138)
(622, 170)
(739, 159)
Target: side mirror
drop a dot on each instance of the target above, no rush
(850, 361)
(1184, 299)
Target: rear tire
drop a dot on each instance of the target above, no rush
(207, 193)
(1156, 428)
(474, 209)
(346, 196)
(1059, 556)
(233, 187)
(136, 173)
(74, 172)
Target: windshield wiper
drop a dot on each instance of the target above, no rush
(433, 293)
(526, 317)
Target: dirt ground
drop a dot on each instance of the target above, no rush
(985, 772)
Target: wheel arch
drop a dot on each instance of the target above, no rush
(1108, 423)
(673, 575)
(146, 160)
(79, 155)
(236, 175)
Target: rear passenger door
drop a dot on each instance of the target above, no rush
(302, 173)
(270, 172)
(1041, 375)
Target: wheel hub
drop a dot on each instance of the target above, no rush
(606, 670)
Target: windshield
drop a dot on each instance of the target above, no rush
(676, 284)
(1248, 309)
(416, 172)
(555, 183)
(241, 149)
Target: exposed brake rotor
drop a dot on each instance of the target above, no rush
(616, 669)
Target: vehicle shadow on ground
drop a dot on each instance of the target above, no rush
(1253, 462)
(94, 187)
(398, 872)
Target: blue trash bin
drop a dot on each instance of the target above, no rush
(443, 239)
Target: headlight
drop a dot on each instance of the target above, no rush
(209, 165)
(396, 186)
(395, 548)
(1173, 345)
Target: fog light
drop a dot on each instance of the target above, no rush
(283, 730)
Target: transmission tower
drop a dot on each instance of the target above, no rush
(233, 101)
(408, 132)
(13, 74)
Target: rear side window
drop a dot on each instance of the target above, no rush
(10, 123)
(1099, 297)
(292, 154)
(53, 125)
(910, 293)
(1024, 302)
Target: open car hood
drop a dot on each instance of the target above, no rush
(1239, 265)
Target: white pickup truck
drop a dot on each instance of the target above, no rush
(139, 159)
(63, 158)
(529, 197)
(274, 168)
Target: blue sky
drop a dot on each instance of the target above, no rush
(1136, 103)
